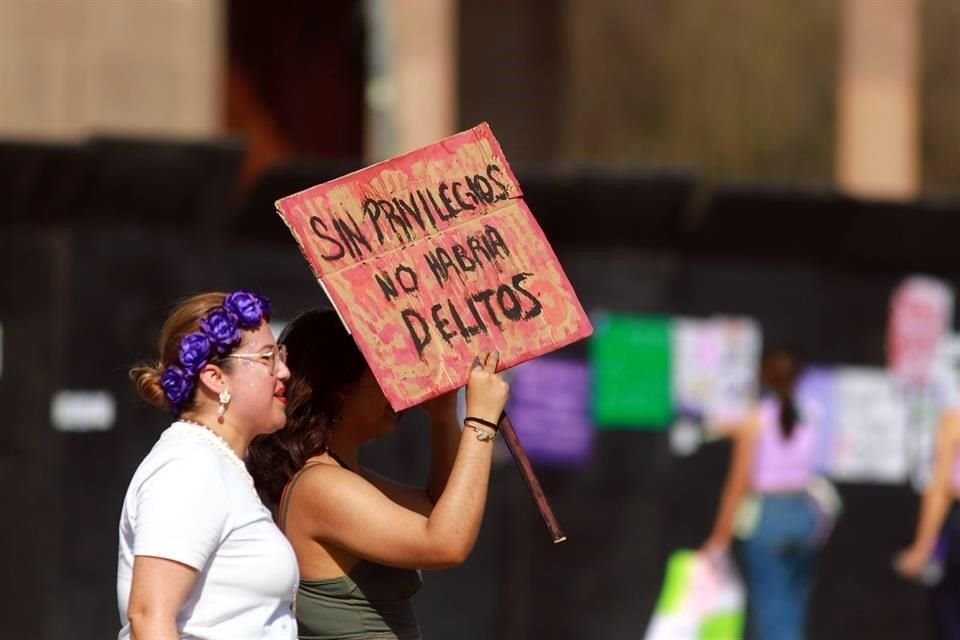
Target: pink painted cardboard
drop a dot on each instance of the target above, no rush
(432, 257)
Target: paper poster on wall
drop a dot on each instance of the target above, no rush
(923, 408)
(817, 404)
(926, 405)
(869, 442)
(432, 257)
(922, 356)
(715, 363)
(630, 357)
(549, 404)
(921, 313)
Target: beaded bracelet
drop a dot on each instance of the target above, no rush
(486, 423)
(483, 435)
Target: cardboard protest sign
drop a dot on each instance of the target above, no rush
(432, 257)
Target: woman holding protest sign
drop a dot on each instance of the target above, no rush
(200, 556)
(359, 537)
(776, 503)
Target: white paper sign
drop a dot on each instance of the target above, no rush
(926, 405)
(715, 365)
(869, 443)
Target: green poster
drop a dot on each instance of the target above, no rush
(630, 356)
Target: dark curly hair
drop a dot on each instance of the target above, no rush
(323, 358)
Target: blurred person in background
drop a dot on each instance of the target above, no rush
(200, 556)
(774, 500)
(360, 538)
(934, 556)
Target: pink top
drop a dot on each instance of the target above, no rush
(782, 464)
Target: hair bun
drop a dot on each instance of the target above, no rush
(147, 380)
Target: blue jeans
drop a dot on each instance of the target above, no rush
(779, 561)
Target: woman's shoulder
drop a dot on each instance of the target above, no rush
(767, 403)
(743, 421)
(178, 475)
(751, 422)
(181, 441)
(325, 488)
(182, 455)
(320, 480)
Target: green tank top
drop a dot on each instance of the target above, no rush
(372, 602)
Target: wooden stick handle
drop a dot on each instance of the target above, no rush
(523, 464)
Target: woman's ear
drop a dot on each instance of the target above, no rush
(212, 378)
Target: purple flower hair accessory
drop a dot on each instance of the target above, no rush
(219, 334)
(265, 307)
(250, 308)
(222, 328)
(194, 351)
(177, 385)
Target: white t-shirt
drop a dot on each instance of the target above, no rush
(190, 502)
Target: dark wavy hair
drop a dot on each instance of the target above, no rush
(323, 358)
(779, 368)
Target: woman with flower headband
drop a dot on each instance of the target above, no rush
(360, 537)
(200, 556)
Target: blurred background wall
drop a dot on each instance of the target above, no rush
(70, 68)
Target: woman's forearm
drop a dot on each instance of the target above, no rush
(933, 511)
(937, 497)
(444, 442)
(454, 523)
(458, 513)
(733, 493)
(736, 485)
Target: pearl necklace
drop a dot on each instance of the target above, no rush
(212, 437)
(215, 439)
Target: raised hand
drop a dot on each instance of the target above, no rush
(487, 391)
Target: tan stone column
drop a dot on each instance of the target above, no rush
(69, 68)
(411, 92)
(877, 96)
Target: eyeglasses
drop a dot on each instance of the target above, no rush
(271, 359)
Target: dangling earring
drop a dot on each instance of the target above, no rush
(224, 401)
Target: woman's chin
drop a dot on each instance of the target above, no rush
(278, 422)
